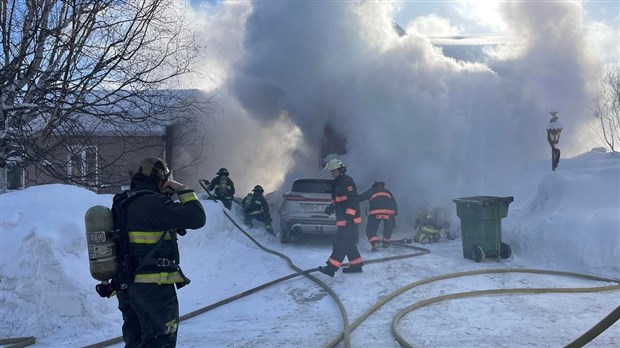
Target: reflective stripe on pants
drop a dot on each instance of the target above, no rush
(345, 245)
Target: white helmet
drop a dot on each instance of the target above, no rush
(334, 164)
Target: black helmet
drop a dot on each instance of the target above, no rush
(258, 189)
(222, 171)
(379, 184)
(154, 168)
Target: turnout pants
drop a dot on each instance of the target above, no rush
(264, 218)
(150, 315)
(226, 201)
(345, 246)
(372, 227)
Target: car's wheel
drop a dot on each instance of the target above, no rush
(505, 251)
(285, 233)
(477, 253)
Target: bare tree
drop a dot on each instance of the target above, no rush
(606, 107)
(72, 68)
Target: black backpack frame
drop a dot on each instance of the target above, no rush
(128, 264)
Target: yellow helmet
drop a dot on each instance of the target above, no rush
(154, 167)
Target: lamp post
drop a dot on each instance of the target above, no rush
(554, 128)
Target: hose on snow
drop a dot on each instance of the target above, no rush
(420, 304)
(345, 319)
(420, 251)
(17, 342)
(596, 330)
(348, 328)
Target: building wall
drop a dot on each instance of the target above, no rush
(105, 165)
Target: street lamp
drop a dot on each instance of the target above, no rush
(554, 128)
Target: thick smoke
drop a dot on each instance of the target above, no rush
(432, 127)
(253, 151)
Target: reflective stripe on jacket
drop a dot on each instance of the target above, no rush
(227, 192)
(344, 199)
(152, 221)
(259, 205)
(381, 201)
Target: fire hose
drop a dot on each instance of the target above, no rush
(299, 272)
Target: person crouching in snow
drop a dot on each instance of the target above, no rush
(382, 208)
(346, 206)
(428, 226)
(255, 207)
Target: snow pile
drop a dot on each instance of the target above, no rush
(573, 221)
(44, 267)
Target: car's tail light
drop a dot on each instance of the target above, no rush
(306, 199)
(294, 198)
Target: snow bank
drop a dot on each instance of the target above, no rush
(572, 223)
(45, 283)
(44, 263)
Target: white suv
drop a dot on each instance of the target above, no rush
(302, 209)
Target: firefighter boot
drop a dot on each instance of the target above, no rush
(269, 229)
(386, 243)
(329, 270)
(353, 268)
(375, 246)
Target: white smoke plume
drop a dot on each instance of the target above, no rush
(431, 127)
(255, 152)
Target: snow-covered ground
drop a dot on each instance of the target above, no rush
(566, 220)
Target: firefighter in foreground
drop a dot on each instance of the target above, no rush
(382, 207)
(223, 187)
(346, 206)
(151, 222)
(255, 207)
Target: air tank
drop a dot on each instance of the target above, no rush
(101, 243)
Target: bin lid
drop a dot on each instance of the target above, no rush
(484, 200)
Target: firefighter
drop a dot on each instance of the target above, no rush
(152, 220)
(346, 206)
(223, 187)
(429, 225)
(382, 207)
(255, 207)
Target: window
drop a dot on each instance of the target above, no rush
(312, 186)
(83, 164)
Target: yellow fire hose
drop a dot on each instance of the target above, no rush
(595, 331)
(17, 342)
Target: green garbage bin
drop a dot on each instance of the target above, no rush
(481, 226)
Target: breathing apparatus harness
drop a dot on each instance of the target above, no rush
(127, 262)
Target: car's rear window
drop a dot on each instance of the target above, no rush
(312, 186)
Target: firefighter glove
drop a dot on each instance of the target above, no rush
(105, 290)
(181, 232)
